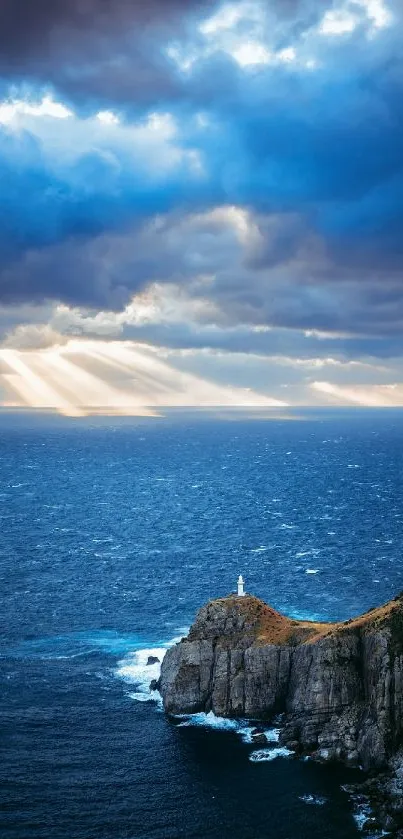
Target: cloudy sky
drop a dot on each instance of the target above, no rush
(201, 203)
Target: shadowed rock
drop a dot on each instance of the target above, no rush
(152, 659)
(339, 685)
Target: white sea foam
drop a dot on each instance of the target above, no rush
(134, 670)
(209, 720)
(246, 732)
(151, 696)
(243, 728)
(360, 817)
(363, 814)
(263, 755)
(312, 799)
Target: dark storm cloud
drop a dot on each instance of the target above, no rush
(203, 256)
(315, 156)
(30, 32)
(88, 50)
(275, 342)
(114, 51)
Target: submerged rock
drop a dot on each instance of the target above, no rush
(339, 686)
(258, 736)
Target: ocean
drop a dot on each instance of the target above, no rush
(113, 533)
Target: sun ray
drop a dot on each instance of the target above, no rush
(62, 378)
(180, 384)
(35, 391)
(91, 390)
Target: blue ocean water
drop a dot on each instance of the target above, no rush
(112, 534)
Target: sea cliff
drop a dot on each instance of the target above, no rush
(338, 686)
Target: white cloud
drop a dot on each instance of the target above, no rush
(377, 12)
(12, 109)
(319, 363)
(344, 20)
(226, 18)
(338, 22)
(28, 336)
(160, 304)
(240, 31)
(108, 117)
(152, 143)
(250, 33)
(288, 54)
(250, 53)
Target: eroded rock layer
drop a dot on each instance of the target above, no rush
(339, 686)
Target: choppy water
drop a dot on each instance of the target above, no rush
(112, 535)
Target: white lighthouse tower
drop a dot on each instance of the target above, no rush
(241, 583)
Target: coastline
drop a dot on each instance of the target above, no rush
(337, 686)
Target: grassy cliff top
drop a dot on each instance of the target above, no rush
(251, 617)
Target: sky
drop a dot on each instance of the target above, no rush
(201, 204)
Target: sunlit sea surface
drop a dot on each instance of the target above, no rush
(113, 533)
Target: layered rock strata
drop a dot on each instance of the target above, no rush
(338, 686)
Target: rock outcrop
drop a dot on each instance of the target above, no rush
(338, 686)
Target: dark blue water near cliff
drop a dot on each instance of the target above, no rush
(112, 534)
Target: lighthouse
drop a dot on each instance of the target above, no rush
(241, 583)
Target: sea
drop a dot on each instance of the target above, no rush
(113, 532)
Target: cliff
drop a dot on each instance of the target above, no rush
(338, 686)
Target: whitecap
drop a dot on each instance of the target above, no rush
(263, 755)
(209, 720)
(272, 735)
(134, 670)
(151, 696)
(243, 728)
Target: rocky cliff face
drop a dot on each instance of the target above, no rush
(339, 686)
